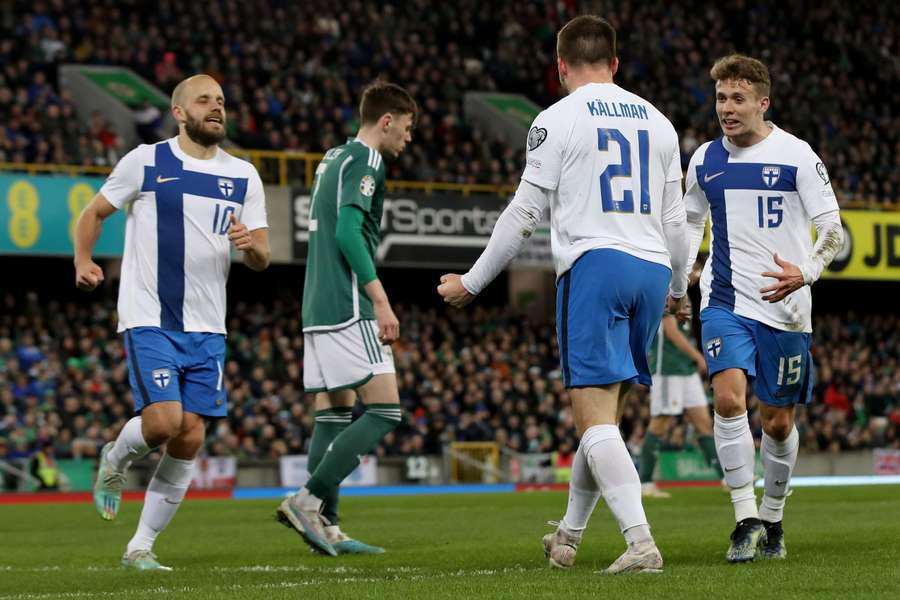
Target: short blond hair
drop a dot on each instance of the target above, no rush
(740, 67)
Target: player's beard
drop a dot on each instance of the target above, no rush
(195, 130)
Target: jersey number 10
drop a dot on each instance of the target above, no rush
(623, 169)
(221, 220)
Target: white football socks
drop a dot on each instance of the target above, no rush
(614, 471)
(164, 495)
(737, 455)
(583, 495)
(778, 459)
(129, 446)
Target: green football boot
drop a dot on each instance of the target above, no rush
(344, 544)
(108, 487)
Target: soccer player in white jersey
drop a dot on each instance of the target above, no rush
(762, 187)
(188, 203)
(607, 164)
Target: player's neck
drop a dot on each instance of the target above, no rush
(369, 137)
(752, 137)
(195, 150)
(583, 76)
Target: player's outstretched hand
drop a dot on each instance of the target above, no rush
(680, 308)
(453, 291)
(790, 279)
(239, 234)
(388, 325)
(88, 275)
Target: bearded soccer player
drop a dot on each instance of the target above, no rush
(348, 322)
(763, 189)
(189, 203)
(607, 164)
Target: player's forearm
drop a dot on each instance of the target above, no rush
(679, 340)
(829, 241)
(352, 245)
(257, 258)
(87, 232)
(678, 245)
(696, 226)
(515, 225)
(375, 292)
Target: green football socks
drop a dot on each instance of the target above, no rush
(708, 446)
(358, 439)
(329, 424)
(649, 453)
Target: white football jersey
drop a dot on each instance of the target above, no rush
(762, 200)
(605, 154)
(177, 251)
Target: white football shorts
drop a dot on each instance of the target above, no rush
(344, 359)
(671, 394)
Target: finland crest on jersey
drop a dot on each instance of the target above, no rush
(177, 253)
(761, 200)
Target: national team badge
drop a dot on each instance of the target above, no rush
(367, 185)
(771, 175)
(536, 137)
(714, 346)
(161, 377)
(226, 186)
(823, 173)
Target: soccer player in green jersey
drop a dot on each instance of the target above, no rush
(348, 323)
(677, 388)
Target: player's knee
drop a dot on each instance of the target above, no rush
(777, 426)
(159, 429)
(659, 425)
(728, 402)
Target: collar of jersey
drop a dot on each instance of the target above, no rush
(732, 149)
(185, 157)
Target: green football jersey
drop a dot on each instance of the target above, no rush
(674, 361)
(351, 174)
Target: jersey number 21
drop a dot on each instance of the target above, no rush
(623, 169)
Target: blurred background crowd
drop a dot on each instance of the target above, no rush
(292, 72)
(480, 375)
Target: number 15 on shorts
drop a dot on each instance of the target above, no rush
(791, 368)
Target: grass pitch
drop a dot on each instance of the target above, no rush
(842, 542)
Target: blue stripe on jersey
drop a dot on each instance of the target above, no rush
(715, 176)
(169, 237)
(716, 161)
(170, 181)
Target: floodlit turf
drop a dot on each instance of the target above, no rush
(842, 542)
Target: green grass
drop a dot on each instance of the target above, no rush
(841, 542)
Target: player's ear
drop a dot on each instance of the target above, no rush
(562, 68)
(386, 120)
(614, 65)
(764, 104)
(178, 113)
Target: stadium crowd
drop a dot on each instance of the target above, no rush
(292, 72)
(482, 375)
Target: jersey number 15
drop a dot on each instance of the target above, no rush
(623, 169)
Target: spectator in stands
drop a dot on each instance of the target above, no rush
(291, 75)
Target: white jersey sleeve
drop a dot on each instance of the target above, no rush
(814, 185)
(253, 215)
(544, 152)
(695, 203)
(124, 183)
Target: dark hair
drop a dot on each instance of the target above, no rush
(380, 98)
(586, 40)
(737, 67)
